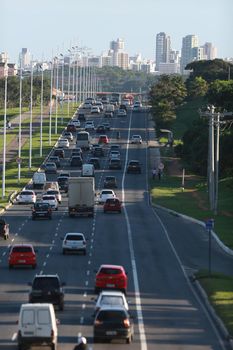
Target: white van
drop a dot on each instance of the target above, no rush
(88, 170)
(37, 325)
(83, 140)
(39, 179)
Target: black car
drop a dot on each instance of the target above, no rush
(59, 152)
(50, 168)
(110, 182)
(107, 126)
(114, 163)
(41, 210)
(134, 167)
(95, 161)
(113, 322)
(98, 152)
(63, 182)
(47, 289)
(76, 161)
(100, 129)
(56, 160)
(81, 116)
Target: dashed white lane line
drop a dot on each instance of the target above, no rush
(81, 320)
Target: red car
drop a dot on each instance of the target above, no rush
(112, 204)
(22, 255)
(103, 139)
(111, 277)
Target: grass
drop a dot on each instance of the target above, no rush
(219, 289)
(11, 177)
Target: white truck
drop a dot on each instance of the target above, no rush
(81, 196)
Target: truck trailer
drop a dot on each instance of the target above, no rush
(81, 196)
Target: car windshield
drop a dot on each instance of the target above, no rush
(109, 299)
(111, 315)
(26, 193)
(110, 271)
(43, 206)
(74, 238)
(47, 283)
(49, 198)
(21, 249)
(106, 192)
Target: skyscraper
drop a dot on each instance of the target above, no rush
(187, 52)
(163, 49)
(210, 51)
(25, 57)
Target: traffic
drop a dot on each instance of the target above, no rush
(84, 238)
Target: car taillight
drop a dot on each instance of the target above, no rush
(98, 323)
(126, 323)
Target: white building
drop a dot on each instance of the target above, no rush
(163, 49)
(26, 58)
(187, 52)
(210, 51)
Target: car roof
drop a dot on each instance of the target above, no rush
(74, 233)
(111, 293)
(112, 266)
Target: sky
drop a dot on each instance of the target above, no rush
(50, 27)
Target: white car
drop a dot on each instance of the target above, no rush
(89, 125)
(51, 199)
(105, 194)
(76, 123)
(74, 242)
(68, 135)
(136, 139)
(54, 192)
(26, 196)
(114, 155)
(107, 298)
(95, 110)
(62, 142)
(121, 112)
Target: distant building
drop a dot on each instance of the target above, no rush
(163, 49)
(169, 68)
(25, 58)
(187, 52)
(4, 57)
(210, 51)
(10, 69)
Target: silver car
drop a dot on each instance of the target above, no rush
(107, 298)
(74, 242)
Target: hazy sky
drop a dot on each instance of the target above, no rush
(44, 26)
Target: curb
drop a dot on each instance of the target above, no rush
(213, 313)
(196, 221)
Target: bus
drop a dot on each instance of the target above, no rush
(83, 140)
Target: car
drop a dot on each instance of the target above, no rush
(105, 194)
(112, 298)
(98, 151)
(68, 135)
(62, 142)
(47, 289)
(56, 160)
(95, 161)
(114, 154)
(76, 160)
(71, 128)
(100, 129)
(121, 112)
(55, 192)
(87, 105)
(136, 139)
(134, 167)
(112, 205)
(107, 125)
(113, 322)
(115, 147)
(111, 277)
(81, 116)
(110, 182)
(100, 105)
(74, 242)
(22, 255)
(51, 199)
(89, 125)
(103, 139)
(123, 106)
(26, 197)
(95, 110)
(76, 123)
(50, 168)
(59, 152)
(77, 152)
(41, 210)
(63, 182)
(115, 163)
(137, 106)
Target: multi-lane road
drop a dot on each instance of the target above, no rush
(159, 251)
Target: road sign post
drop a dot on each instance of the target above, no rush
(209, 226)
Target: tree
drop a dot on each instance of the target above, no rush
(210, 70)
(197, 87)
(220, 94)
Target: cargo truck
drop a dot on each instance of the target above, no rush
(81, 196)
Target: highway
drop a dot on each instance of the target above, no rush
(158, 251)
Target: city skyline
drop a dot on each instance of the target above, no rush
(51, 28)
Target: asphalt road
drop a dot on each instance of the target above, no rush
(158, 251)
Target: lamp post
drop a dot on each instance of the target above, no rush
(20, 121)
(51, 103)
(41, 110)
(30, 126)
(56, 106)
(4, 133)
(68, 106)
(62, 86)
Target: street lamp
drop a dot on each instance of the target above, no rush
(30, 126)
(56, 105)
(62, 87)
(41, 110)
(51, 103)
(20, 120)
(4, 133)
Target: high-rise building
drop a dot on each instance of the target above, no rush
(25, 57)
(163, 49)
(117, 45)
(210, 51)
(187, 52)
(4, 57)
